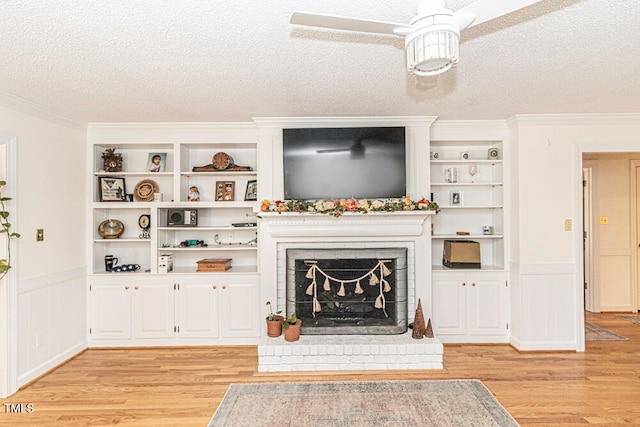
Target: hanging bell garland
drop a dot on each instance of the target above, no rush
(359, 289)
(380, 301)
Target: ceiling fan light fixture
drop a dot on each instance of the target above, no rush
(432, 51)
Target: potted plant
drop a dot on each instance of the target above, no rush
(274, 322)
(291, 326)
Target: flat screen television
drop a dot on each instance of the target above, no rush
(329, 163)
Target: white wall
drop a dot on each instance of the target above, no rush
(51, 283)
(548, 260)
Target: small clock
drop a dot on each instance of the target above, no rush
(222, 161)
(144, 221)
(493, 153)
(112, 160)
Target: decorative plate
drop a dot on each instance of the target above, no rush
(144, 190)
(111, 229)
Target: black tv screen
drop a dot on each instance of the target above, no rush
(329, 163)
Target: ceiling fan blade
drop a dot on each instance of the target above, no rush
(486, 10)
(348, 24)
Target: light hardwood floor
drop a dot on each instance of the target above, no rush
(183, 386)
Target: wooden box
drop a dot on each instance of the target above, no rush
(214, 264)
(461, 254)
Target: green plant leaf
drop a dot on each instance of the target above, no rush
(4, 214)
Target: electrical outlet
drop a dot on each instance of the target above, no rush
(39, 234)
(568, 225)
(604, 220)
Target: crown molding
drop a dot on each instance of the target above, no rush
(170, 131)
(22, 105)
(356, 121)
(578, 119)
(470, 130)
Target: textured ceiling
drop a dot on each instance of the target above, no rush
(197, 60)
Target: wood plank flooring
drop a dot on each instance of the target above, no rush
(183, 386)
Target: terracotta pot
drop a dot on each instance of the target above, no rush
(292, 333)
(274, 327)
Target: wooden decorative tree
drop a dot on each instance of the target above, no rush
(419, 328)
(429, 332)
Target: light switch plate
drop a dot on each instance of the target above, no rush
(568, 225)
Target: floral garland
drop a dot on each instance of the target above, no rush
(337, 207)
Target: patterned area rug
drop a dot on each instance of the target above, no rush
(633, 318)
(361, 404)
(596, 333)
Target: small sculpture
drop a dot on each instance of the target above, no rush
(194, 194)
(419, 327)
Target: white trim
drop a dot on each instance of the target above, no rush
(52, 363)
(40, 282)
(8, 359)
(576, 119)
(19, 104)
(302, 122)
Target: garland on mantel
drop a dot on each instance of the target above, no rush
(337, 207)
(312, 289)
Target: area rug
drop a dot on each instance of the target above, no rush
(596, 333)
(362, 404)
(633, 318)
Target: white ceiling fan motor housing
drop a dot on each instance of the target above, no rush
(433, 47)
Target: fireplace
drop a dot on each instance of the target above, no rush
(348, 291)
(281, 234)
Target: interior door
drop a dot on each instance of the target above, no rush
(636, 277)
(587, 239)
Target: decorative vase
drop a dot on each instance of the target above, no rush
(274, 327)
(292, 333)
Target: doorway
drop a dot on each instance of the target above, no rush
(610, 233)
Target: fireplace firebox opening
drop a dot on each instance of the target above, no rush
(348, 291)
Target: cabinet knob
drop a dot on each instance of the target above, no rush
(224, 286)
(126, 288)
(215, 287)
(464, 284)
(136, 288)
(473, 284)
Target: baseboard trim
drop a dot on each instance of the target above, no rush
(51, 364)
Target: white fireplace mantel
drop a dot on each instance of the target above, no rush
(410, 229)
(371, 225)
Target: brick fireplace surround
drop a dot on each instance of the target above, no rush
(410, 230)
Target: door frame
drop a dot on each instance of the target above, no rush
(9, 318)
(591, 303)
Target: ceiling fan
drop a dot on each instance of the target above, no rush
(431, 37)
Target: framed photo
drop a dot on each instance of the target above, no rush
(252, 190)
(111, 189)
(157, 162)
(455, 198)
(225, 191)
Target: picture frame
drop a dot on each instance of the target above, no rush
(455, 198)
(157, 162)
(112, 189)
(225, 191)
(252, 190)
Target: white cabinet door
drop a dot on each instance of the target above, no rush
(487, 312)
(110, 310)
(239, 306)
(449, 305)
(153, 308)
(197, 309)
(470, 307)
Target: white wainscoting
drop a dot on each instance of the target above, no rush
(544, 309)
(52, 325)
